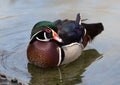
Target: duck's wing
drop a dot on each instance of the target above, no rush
(70, 30)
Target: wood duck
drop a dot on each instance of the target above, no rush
(56, 43)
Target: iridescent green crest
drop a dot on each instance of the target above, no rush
(41, 25)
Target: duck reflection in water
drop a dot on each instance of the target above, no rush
(69, 74)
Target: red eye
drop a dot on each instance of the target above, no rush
(48, 30)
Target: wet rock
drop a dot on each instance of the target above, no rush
(14, 80)
(3, 80)
(7, 81)
(2, 76)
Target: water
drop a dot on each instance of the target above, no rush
(17, 18)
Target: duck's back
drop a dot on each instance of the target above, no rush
(69, 32)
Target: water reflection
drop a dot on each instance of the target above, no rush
(69, 74)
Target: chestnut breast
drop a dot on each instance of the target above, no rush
(43, 54)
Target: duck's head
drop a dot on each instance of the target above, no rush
(45, 31)
(46, 34)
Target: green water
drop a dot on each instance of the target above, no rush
(99, 63)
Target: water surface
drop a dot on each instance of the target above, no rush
(17, 18)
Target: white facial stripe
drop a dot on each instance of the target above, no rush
(60, 57)
(35, 35)
(45, 35)
(42, 39)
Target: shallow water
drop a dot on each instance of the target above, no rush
(17, 18)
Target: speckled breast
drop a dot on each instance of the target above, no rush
(43, 54)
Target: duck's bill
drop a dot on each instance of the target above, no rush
(56, 37)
